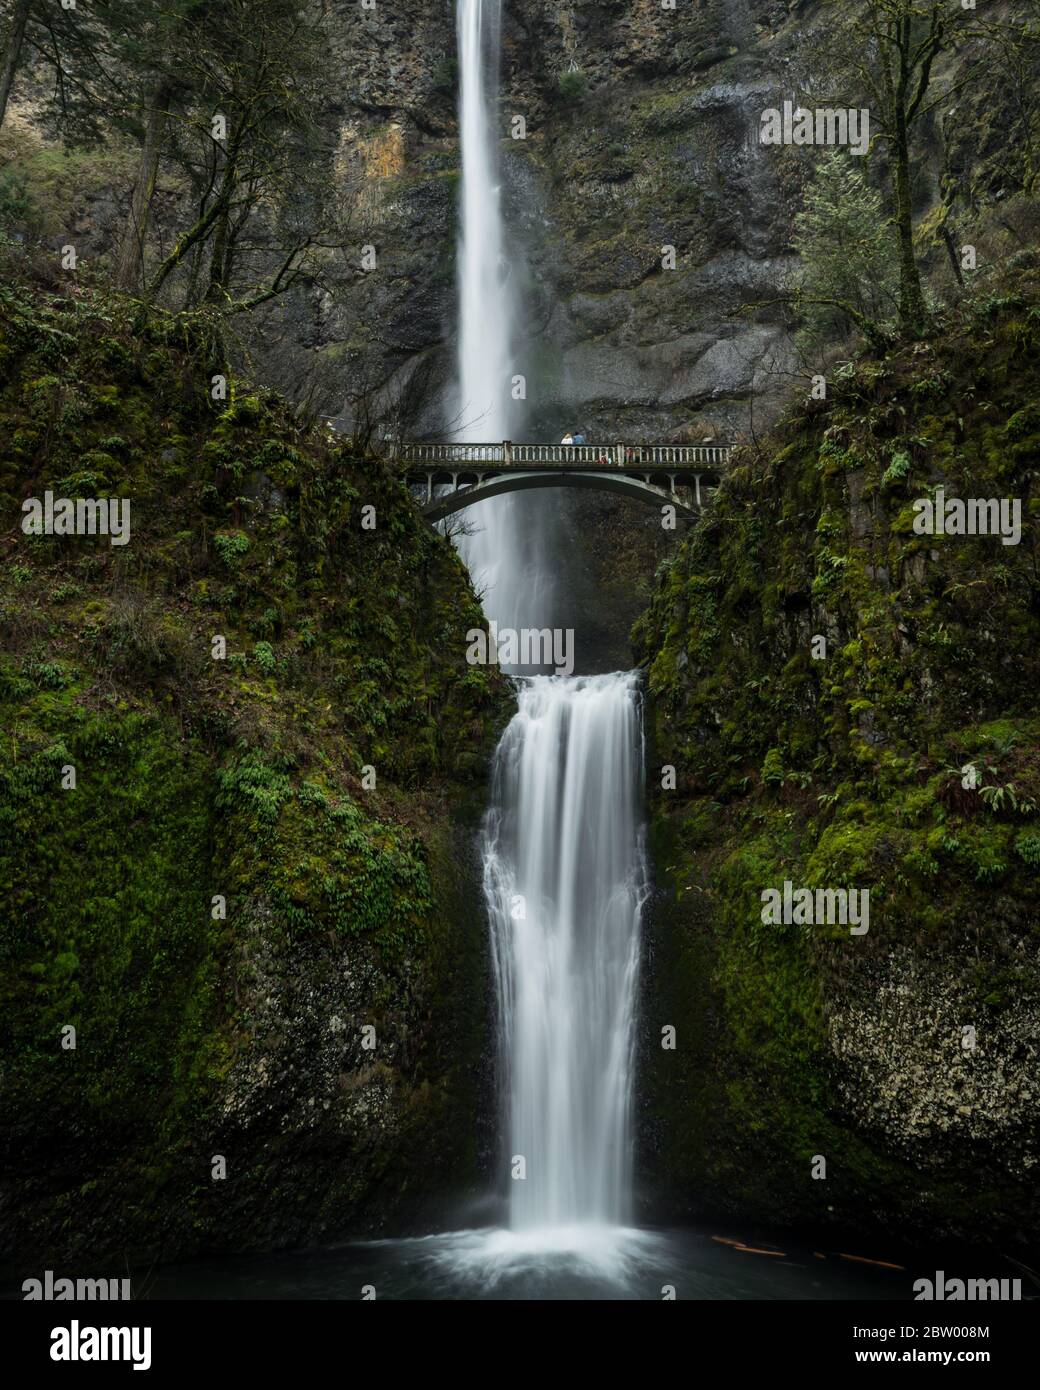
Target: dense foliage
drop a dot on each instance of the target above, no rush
(902, 756)
(197, 778)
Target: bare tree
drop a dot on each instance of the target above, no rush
(13, 51)
(890, 50)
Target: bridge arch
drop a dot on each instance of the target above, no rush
(482, 487)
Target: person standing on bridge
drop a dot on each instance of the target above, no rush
(579, 438)
(567, 439)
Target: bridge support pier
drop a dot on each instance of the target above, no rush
(697, 484)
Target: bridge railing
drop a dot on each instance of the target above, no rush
(451, 453)
(507, 454)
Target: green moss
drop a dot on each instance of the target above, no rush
(842, 772)
(219, 827)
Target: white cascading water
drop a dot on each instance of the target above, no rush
(486, 311)
(565, 882)
(504, 553)
(564, 867)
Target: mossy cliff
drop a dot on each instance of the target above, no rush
(853, 769)
(235, 1027)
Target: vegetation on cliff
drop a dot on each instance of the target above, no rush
(851, 704)
(225, 898)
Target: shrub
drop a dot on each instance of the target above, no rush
(263, 655)
(230, 546)
(573, 84)
(897, 469)
(1027, 847)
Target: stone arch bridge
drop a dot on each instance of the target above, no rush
(449, 477)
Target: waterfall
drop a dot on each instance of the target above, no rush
(564, 867)
(564, 879)
(484, 404)
(508, 541)
(486, 311)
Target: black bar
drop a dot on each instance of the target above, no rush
(194, 1338)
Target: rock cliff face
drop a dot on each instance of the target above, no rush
(637, 136)
(639, 130)
(641, 144)
(638, 144)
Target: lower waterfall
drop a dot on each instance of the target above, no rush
(565, 882)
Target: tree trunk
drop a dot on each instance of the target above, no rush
(912, 313)
(951, 251)
(219, 266)
(185, 242)
(131, 252)
(13, 51)
(218, 262)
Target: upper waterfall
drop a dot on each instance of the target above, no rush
(486, 309)
(507, 543)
